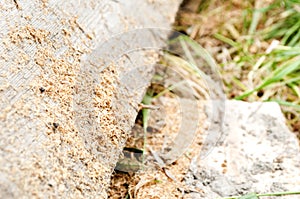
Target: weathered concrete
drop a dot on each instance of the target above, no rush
(65, 112)
(258, 154)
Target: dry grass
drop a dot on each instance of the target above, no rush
(256, 44)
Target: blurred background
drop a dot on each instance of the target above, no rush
(256, 44)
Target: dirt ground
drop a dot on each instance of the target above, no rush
(152, 181)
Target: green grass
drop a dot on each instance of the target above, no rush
(260, 196)
(271, 72)
(146, 114)
(261, 49)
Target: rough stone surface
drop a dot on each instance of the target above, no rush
(64, 114)
(258, 154)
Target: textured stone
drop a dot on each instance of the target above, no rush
(258, 154)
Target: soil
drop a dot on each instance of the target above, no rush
(153, 181)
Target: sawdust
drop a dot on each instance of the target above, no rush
(154, 182)
(62, 133)
(28, 33)
(74, 170)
